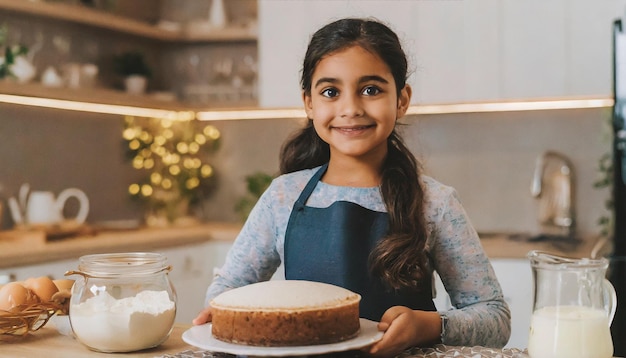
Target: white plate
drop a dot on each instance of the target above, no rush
(201, 337)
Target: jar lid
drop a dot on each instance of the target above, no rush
(122, 264)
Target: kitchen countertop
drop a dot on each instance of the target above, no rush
(48, 342)
(516, 246)
(27, 247)
(23, 247)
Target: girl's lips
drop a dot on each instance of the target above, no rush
(353, 128)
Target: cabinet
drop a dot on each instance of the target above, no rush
(192, 272)
(459, 51)
(54, 270)
(182, 60)
(515, 278)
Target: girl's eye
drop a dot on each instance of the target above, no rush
(371, 91)
(330, 92)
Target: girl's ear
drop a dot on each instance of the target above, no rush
(404, 100)
(308, 104)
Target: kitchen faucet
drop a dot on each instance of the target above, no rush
(553, 184)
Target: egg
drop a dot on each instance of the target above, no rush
(64, 284)
(42, 286)
(14, 294)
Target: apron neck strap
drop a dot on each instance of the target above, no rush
(310, 186)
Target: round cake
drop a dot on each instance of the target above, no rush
(285, 313)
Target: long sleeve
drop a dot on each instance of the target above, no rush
(480, 315)
(253, 256)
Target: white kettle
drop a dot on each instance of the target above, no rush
(42, 208)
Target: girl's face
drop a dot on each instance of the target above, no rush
(353, 103)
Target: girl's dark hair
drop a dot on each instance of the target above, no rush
(399, 258)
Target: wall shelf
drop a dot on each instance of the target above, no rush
(100, 19)
(107, 101)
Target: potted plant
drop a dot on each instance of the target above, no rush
(13, 60)
(132, 66)
(257, 183)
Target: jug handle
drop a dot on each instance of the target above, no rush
(610, 299)
(83, 210)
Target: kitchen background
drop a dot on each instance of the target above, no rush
(461, 51)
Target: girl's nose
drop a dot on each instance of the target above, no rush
(351, 106)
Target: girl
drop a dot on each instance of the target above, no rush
(352, 209)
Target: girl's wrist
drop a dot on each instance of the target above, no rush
(433, 325)
(438, 327)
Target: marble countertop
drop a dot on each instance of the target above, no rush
(439, 351)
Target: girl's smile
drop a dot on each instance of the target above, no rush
(353, 130)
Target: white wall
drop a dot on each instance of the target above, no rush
(469, 50)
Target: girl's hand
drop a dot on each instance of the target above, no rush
(203, 317)
(405, 328)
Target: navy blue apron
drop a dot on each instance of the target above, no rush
(332, 245)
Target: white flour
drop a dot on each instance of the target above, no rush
(128, 324)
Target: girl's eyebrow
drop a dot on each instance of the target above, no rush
(363, 79)
(325, 80)
(375, 78)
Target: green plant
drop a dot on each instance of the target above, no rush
(131, 63)
(605, 180)
(257, 183)
(10, 53)
(605, 168)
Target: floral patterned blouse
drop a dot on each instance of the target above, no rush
(480, 315)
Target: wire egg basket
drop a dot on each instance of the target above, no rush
(21, 320)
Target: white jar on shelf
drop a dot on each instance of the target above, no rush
(217, 14)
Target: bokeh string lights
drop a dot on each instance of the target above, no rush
(174, 155)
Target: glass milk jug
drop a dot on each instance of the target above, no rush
(573, 307)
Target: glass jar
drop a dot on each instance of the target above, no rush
(124, 302)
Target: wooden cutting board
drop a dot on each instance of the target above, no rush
(22, 237)
(41, 234)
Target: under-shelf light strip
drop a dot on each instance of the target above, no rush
(96, 107)
(534, 105)
(423, 109)
(221, 115)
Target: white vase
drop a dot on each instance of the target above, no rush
(136, 84)
(217, 14)
(23, 69)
